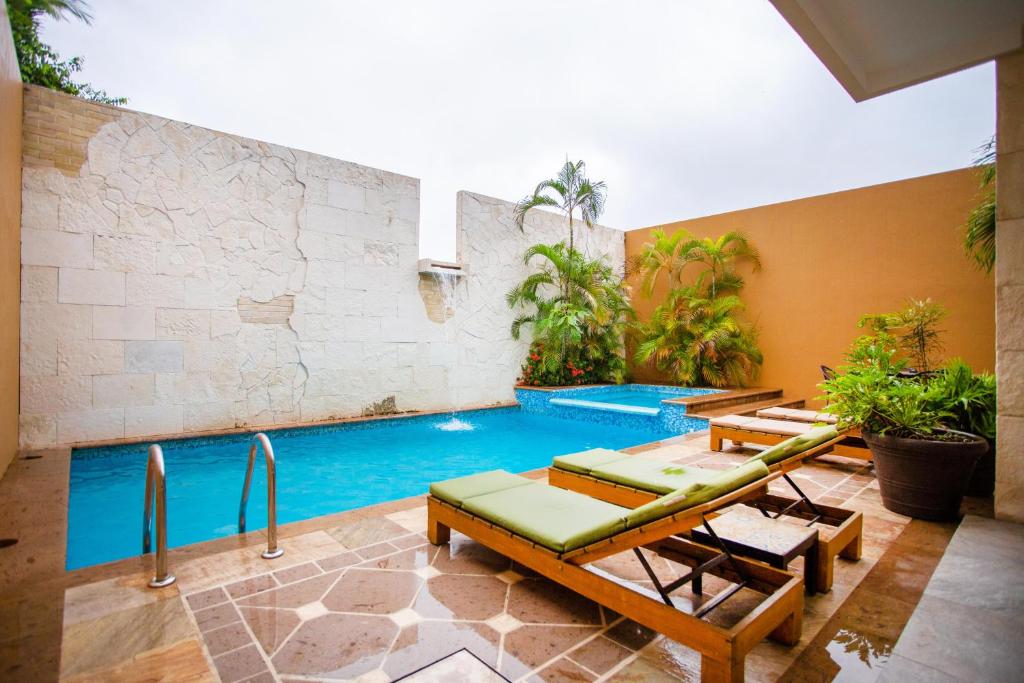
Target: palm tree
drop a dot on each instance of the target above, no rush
(663, 256)
(698, 340)
(585, 317)
(721, 256)
(980, 237)
(668, 255)
(571, 192)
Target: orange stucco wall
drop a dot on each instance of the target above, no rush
(827, 260)
(10, 240)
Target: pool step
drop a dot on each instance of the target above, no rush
(700, 405)
(749, 408)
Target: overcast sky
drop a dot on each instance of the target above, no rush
(684, 108)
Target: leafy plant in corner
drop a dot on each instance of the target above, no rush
(698, 340)
(577, 309)
(571, 192)
(695, 335)
(916, 328)
(39, 63)
(980, 232)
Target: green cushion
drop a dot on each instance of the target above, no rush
(652, 475)
(456, 491)
(555, 518)
(583, 463)
(796, 445)
(697, 494)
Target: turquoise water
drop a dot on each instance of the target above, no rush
(628, 397)
(319, 471)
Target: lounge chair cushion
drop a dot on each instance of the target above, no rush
(555, 518)
(457, 491)
(652, 475)
(781, 427)
(734, 421)
(797, 415)
(795, 445)
(697, 494)
(583, 463)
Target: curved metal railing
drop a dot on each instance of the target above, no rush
(156, 496)
(261, 439)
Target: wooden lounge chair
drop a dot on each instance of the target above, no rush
(742, 429)
(633, 480)
(797, 415)
(559, 533)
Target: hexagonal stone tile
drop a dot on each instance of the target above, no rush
(528, 647)
(293, 595)
(270, 626)
(451, 596)
(372, 591)
(413, 558)
(336, 646)
(540, 601)
(430, 640)
(465, 556)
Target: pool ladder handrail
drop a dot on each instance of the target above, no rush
(156, 496)
(263, 441)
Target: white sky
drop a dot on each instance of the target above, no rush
(684, 108)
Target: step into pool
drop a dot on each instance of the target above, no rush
(320, 470)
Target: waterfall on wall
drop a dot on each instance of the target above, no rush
(447, 283)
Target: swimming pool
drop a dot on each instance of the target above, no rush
(320, 470)
(636, 406)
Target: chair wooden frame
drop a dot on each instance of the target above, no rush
(850, 446)
(845, 539)
(779, 615)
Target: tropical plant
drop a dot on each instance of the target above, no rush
(697, 339)
(577, 309)
(870, 392)
(39, 63)
(571, 192)
(969, 398)
(980, 232)
(916, 328)
(668, 256)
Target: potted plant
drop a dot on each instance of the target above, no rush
(971, 400)
(923, 465)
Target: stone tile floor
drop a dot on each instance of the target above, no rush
(361, 595)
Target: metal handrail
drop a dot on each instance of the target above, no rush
(272, 550)
(156, 496)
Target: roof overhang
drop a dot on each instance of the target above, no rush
(876, 46)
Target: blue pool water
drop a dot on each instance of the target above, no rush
(629, 397)
(320, 470)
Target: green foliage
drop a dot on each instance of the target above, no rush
(40, 64)
(969, 398)
(980, 232)
(697, 340)
(718, 259)
(577, 309)
(571, 192)
(870, 392)
(695, 335)
(916, 329)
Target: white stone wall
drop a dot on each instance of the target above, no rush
(133, 270)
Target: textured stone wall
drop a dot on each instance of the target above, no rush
(180, 279)
(1010, 286)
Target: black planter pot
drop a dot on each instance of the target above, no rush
(983, 481)
(921, 478)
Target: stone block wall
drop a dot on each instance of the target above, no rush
(177, 279)
(1009, 497)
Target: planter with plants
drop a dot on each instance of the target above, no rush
(913, 426)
